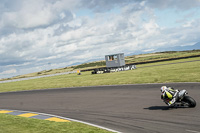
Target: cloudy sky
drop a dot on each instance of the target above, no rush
(45, 34)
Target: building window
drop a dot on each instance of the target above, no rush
(112, 57)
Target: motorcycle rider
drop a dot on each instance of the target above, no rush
(169, 95)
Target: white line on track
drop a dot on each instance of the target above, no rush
(94, 125)
(192, 131)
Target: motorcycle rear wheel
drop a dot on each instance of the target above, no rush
(190, 101)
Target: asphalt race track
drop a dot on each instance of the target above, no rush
(125, 108)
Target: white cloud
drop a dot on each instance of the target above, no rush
(32, 14)
(149, 50)
(36, 33)
(12, 71)
(178, 4)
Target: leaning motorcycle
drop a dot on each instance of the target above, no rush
(183, 100)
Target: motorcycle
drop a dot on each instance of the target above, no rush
(183, 100)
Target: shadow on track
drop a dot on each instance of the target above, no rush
(164, 107)
(158, 108)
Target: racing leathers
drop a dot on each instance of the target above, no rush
(169, 96)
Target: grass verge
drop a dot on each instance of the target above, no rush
(16, 124)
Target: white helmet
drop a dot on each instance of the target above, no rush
(163, 88)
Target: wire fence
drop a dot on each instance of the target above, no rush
(21, 79)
